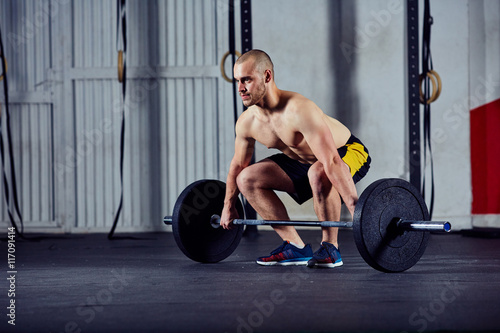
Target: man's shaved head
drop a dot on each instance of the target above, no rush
(262, 60)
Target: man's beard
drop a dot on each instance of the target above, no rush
(255, 97)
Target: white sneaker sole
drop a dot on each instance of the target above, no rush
(330, 265)
(283, 263)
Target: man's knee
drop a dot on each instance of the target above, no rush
(246, 180)
(317, 178)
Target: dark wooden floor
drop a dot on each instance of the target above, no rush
(86, 283)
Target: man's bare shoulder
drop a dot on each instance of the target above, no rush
(292, 98)
(245, 122)
(297, 106)
(301, 111)
(247, 117)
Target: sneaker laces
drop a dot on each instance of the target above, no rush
(280, 248)
(322, 251)
(330, 249)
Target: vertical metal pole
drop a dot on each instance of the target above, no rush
(232, 50)
(246, 25)
(246, 45)
(413, 93)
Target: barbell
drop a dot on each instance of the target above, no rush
(390, 225)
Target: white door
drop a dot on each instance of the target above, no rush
(178, 109)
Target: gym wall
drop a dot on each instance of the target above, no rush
(350, 58)
(484, 104)
(347, 56)
(66, 106)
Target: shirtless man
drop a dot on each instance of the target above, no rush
(320, 159)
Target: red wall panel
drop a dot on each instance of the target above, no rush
(485, 158)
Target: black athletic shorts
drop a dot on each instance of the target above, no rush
(354, 154)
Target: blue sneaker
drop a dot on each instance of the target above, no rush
(287, 254)
(327, 256)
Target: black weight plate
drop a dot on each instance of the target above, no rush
(191, 222)
(379, 242)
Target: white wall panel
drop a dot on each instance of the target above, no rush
(190, 144)
(97, 143)
(66, 105)
(171, 108)
(27, 44)
(94, 33)
(26, 38)
(32, 140)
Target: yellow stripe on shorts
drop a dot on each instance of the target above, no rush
(355, 157)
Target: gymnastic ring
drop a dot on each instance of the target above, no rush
(120, 66)
(439, 83)
(6, 68)
(222, 70)
(433, 96)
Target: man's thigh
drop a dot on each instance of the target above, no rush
(267, 174)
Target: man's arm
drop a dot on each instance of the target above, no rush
(318, 136)
(243, 151)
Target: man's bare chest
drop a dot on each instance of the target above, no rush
(279, 137)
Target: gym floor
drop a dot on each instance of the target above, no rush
(143, 283)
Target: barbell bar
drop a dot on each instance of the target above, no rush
(215, 222)
(403, 225)
(390, 225)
